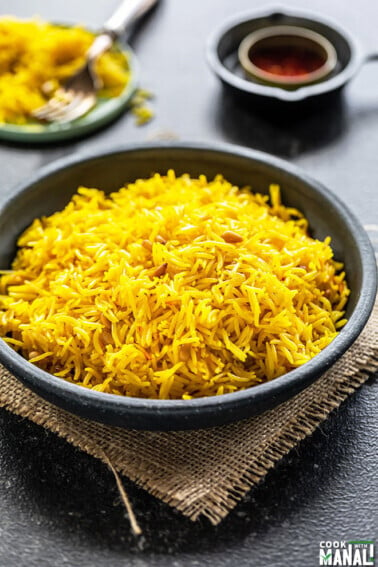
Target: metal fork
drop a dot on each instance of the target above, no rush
(78, 95)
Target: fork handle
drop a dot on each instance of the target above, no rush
(126, 14)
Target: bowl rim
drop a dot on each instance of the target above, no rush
(52, 387)
(328, 85)
(251, 41)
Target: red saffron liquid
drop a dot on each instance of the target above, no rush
(287, 61)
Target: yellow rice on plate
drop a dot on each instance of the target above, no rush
(36, 57)
(172, 288)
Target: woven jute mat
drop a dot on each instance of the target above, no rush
(206, 472)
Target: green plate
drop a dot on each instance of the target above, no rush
(105, 110)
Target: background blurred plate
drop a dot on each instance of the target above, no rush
(106, 110)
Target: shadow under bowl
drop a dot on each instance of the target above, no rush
(50, 190)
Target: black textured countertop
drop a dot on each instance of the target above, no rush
(59, 506)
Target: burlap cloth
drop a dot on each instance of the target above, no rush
(206, 472)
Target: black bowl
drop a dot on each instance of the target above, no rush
(222, 55)
(51, 189)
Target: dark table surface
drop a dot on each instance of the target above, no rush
(60, 506)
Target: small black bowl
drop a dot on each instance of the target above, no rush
(50, 190)
(222, 55)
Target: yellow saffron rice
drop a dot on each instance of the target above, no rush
(36, 57)
(172, 287)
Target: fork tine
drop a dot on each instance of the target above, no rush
(57, 111)
(70, 102)
(58, 102)
(47, 108)
(62, 110)
(86, 104)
